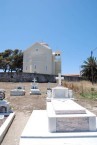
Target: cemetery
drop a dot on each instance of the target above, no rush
(63, 122)
(48, 89)
(56, 116)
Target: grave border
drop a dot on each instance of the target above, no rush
(5, 126)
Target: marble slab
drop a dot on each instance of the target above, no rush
(67, 107)
(17, 92)
(36, 133)
(67, 122)
(60, 92)
(71, 124)
(35, 92)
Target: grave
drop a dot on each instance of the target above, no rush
(64, 122)
(34, 88)
(4, 105)
(19, 91)
(59, 92)
(68, 116)
(6, 115)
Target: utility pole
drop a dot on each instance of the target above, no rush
(92, 73)
(92, 68)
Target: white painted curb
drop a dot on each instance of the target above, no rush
(6, 125)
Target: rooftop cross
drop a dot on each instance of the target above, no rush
(59, 78)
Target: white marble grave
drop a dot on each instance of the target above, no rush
(64, 122)
(34, 88)
(59, 92)
(68, 116)
(19, 91)
(65, 115)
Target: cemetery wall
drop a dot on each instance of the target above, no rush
(28, 77)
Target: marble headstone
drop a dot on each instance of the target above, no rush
(34, 88)
(60, 92)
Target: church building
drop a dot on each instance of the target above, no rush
(39, 58)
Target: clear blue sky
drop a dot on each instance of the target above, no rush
(66, 25)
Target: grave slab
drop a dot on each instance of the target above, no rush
(19, 91)
(36, 133)
(69, 118)
(67, 107)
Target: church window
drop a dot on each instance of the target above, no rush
(26, 67)
(35, 66)
(46, 68)
(36, 49)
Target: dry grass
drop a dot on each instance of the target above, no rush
(82, 88)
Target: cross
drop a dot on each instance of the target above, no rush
(34, 81)
(59, 78)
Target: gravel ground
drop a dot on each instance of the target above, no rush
(24, 105)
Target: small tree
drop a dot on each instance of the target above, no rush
(11, 60)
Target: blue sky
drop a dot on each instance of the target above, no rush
(66, 25)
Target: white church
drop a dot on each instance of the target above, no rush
(39, 58)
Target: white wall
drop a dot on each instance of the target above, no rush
(38, 58)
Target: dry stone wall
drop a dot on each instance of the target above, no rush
(28, 77)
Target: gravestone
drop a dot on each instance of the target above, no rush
(60, 92)
(34, 88)
(19, 91)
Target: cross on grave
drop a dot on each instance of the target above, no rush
(34, 81)
(59, 78)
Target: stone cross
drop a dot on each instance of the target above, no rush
(34, 81)
(59, 78)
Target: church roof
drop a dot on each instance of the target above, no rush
(40, 43)
(44, 44)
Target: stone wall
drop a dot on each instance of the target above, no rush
(28, 77)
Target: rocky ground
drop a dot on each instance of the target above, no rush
(24, 105)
